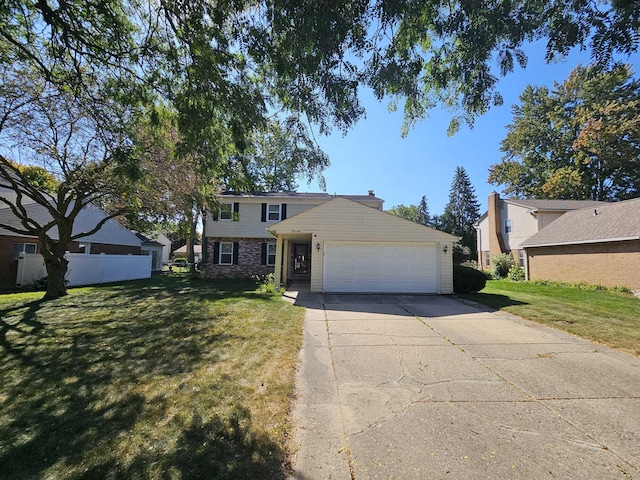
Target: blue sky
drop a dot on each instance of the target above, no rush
(374, 156)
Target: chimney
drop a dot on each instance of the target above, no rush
(371, 194)
(496, 242)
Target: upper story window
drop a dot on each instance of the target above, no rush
(507, 226)
(226, 211)
(18, 248)
(273, 212)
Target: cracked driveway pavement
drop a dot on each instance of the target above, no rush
(414, 387)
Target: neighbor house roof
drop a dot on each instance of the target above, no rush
(606, 222)
(111, 232)
(550, 205)
(536, 205)
(146, 240)
(183, 249)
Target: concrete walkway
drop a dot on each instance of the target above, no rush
(415, 387)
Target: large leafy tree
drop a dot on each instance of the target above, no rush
(226, 66)
(453, 53)
(461, 212)
(76, 157)
(580, 140)
(415, 213)
(282, 154)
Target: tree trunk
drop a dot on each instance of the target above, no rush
(203, 258)
(56, 272)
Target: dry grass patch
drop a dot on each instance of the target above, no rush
(165, 378)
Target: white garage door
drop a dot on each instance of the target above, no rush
(380, 267)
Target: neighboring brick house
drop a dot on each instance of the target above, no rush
(510, 222)
(599, 245)
(111, 239)
(239, 245)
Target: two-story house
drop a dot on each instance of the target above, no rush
(508, 223)
(239, 243)
(337, 243)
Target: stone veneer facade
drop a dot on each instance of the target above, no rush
(249, 258)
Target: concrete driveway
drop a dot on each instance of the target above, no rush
(416, 387)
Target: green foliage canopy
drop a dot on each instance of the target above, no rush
(580, 140)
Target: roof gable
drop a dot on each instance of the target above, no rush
(112, 232)
(342, 214)
(605, 223)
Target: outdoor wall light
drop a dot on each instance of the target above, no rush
(445, 249)
(318, 246)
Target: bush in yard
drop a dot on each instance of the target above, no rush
(502, 263)
(516, 273)
(467, 279)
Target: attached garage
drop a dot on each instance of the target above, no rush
(378, 267)
(355, 248)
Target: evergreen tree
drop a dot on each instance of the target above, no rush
(415, 213)
(461, 213)
(424, 217)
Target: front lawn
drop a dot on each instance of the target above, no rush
(156, 379)
(603, 316)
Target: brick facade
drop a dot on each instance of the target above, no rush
(249, 259)
(9, 266)
(609, 264)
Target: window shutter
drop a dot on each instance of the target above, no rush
(214, 214)
(236, 211)
(216, 253)
(263, 254)
(236, 246)
(284, 211)
(264, 212)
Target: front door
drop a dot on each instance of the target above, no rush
(301, 258)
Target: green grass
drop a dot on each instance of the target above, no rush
(156, 379)
(606, 317)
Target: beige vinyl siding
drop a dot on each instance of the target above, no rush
(343, 220)
(523, 225)
(483, 234)
(545, 218)
(249, 224)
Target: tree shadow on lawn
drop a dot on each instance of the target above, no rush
(20, 318)
(493, 301)
(73, 389)
(220, 448)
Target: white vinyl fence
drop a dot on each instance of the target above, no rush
(86, 269)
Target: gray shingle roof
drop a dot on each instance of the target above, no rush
(606, 222)
(111, 232)
(554, 204)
